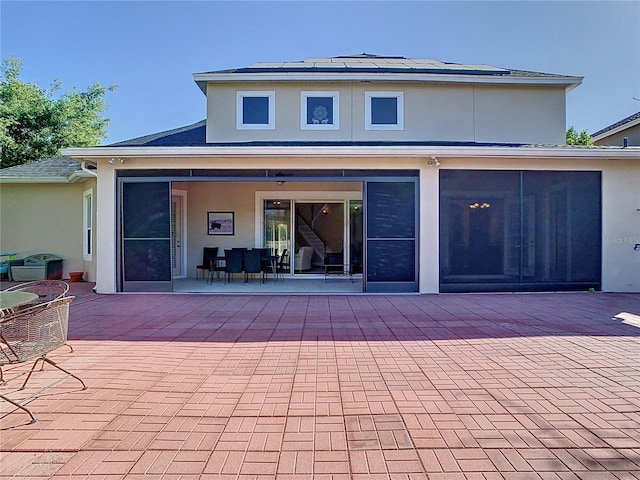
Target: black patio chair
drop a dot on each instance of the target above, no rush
(233, 262)
(209, 254)
(253, 263)
(265, 261)
(282, 265)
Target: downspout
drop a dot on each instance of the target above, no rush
(83, 165)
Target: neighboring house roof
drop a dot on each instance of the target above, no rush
(48, 170)
(630, 121)
(370, 67)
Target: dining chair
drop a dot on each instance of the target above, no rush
(208, 254)
(233, 262)
(282, 265)
(253, 263)
(265, 260)
(217, 266)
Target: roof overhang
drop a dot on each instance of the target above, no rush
(567, 82)
(76, 177)
(112, 154)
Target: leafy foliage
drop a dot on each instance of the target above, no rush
(578, 138)
(36, 123)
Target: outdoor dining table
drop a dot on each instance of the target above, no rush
(15, 299)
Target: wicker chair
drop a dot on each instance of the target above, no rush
(30, 333)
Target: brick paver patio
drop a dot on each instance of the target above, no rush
(442, 387)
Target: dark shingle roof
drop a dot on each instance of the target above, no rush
(193, 135)
(613, 126)
(57, 167)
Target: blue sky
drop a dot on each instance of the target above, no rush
(150, 49)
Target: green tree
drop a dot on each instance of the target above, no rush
(578, 138)
(36, 123)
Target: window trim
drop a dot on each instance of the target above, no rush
(240, 95)
(304, 95)
(87, 224)
(399, 96)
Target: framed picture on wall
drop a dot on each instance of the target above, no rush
(220, 223)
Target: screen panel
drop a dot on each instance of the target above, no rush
(146, 236)
(391, 226)
(520, 230)
(391, 210)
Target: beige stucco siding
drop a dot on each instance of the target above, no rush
(461, 113)
(519, 115)
(221, 115)
(46, 218)
(621, 227)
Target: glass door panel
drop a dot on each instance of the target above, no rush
(355, 236)
(319, 233)
(277, 226)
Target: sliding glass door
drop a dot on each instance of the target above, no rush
(315, 232)
(319, 236)
(277, 229)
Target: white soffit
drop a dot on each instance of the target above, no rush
(106, 153)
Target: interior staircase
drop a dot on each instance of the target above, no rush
(313, 240)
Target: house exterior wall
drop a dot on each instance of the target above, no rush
(46, 218)
(521, 115)
(462, 113)
(620, 201)
(617, 139)
(621, 227)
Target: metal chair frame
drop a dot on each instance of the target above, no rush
(46, 290)
(30, 333)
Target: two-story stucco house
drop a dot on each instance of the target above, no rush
(417, 175)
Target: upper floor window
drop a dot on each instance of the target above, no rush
(255, 110)
(319, 111)
(384, 111)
